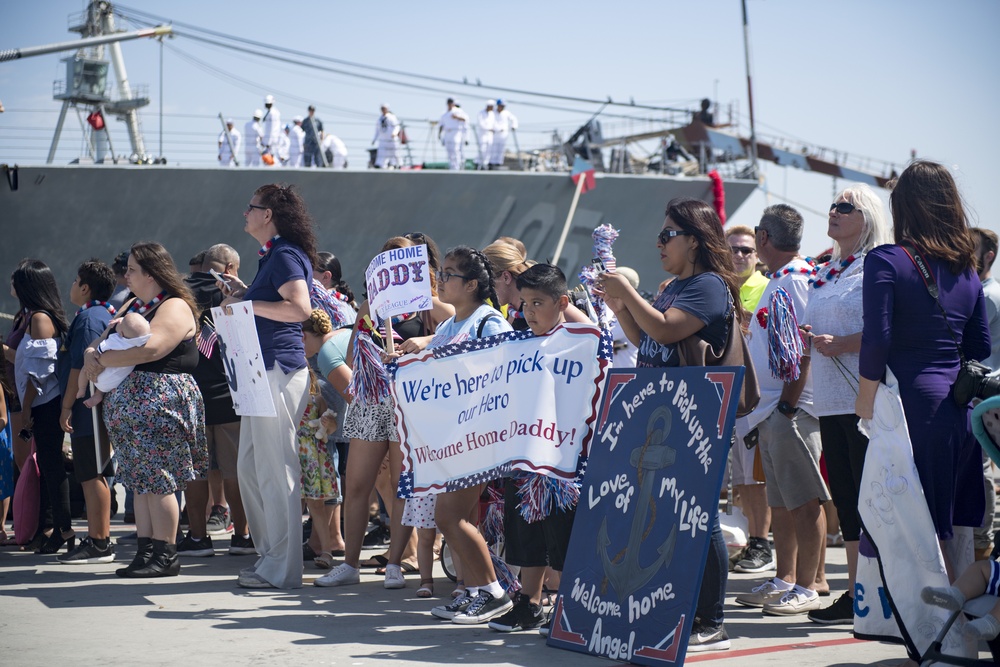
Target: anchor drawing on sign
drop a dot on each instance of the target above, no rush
(628, 575)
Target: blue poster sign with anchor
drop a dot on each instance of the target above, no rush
(649, 499)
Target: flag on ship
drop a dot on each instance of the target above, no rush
(585, 170)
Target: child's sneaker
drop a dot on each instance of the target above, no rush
(484, 608)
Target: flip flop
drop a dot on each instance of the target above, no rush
(324, 561)
(426, 589)
(375, 561)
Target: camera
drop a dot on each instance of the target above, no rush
(974, 381)
(25, 434)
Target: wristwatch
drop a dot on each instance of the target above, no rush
(787, 409)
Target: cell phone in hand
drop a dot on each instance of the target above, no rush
(599, 265)
(218, 276)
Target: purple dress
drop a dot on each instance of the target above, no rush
(905, 330)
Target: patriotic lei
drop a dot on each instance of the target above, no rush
(264, 249)
(788, 269)
(142, 308)
(96, 302)
(818, 282)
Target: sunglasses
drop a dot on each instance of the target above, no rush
(742, 250)
(251, 207)
(667, 234)
(445, 277)
(843, 207)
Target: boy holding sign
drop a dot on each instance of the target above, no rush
(532, 546)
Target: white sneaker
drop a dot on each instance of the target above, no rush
(342, 575)
(761, 595)
(792, 603)
(394, 577)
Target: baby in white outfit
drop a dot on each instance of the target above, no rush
(132, 331)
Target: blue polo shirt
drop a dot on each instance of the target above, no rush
(280, 341)
(85, 329)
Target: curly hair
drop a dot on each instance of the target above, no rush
(156, 262)
(474, 265)
(701, 221)
(290, 216)
(927, 211)
(318, 323)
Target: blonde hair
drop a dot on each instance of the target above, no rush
(318, 323)
(876, 229)
(505, 256)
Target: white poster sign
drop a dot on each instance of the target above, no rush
(242, 360)
(471, 411)
(398, 281)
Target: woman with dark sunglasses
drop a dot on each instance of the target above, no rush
(857, 224)
(702, 300)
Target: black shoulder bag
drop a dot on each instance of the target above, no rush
(971, 381)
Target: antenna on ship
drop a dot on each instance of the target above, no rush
(746, 56)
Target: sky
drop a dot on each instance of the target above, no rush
(873, 79)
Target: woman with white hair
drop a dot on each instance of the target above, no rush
(834, 316)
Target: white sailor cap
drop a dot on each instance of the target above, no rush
(229, 121)
(258, 114)
(297, 119)
(490, 103)
(269, 100)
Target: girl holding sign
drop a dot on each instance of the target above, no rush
(372, 433)
(466, 282)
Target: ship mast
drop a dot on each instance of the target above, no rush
(86, 82)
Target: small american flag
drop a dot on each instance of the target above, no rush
(206, 339)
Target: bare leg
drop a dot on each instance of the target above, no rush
(531, 583)
(163, 514)
(362, 468)
(785, 544)
(320, 513)
(852, 564)
(336, 538)
(97, 495)
(401, 536)
(755, 508)
(217, 488)
(236, 511)
(810, 534)
(21, 448)
(196, 495)
(425, 553)
(465, 540)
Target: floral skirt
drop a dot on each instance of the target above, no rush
(317, 460)
(157, 426)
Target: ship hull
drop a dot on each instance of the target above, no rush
(65, 215)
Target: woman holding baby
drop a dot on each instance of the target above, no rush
(156, 416)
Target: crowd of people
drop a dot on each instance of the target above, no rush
(144, 335)
(304, 143)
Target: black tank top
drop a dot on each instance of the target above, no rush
(182, 359)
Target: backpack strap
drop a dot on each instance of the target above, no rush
(482, 324)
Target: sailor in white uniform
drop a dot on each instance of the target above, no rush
(226, 156)
(387, 136)
(296, 139)
(487, 122)
(335, 148)
(272, 125)
(506, 122)
(253, 136)
(454, 123)
(283, 146)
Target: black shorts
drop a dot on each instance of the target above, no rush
(536, 544)
(85, 460)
